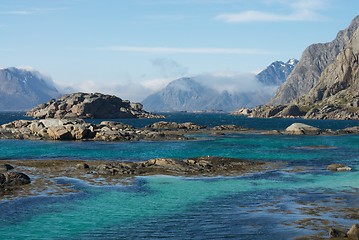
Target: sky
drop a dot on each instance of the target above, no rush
(132, 48)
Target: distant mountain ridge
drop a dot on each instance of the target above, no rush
(22, 89)
(191, 94)
(314, 60)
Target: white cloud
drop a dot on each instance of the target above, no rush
(232, 82)
(134, 92)
(171, 50)
(300, 10)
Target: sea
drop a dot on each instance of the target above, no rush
(301, 198)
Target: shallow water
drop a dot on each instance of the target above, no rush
(254, 206)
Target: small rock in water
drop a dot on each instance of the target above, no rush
(337, 167)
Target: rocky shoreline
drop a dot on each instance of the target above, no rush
(78, 129)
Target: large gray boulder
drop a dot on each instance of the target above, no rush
(302, 129)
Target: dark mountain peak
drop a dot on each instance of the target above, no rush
(22, 89)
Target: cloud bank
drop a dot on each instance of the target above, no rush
(299, 10)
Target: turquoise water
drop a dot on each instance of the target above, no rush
(253, 206)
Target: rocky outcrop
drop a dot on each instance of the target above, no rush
(315, 59)
(335, 95)
(330, 91)
(89, 105)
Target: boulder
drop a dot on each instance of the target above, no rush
(59, 133)
(353, 232)
(14, 179)
(302, 129)
(292, 110)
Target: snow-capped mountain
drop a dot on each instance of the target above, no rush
(22, 89)
(276, 73)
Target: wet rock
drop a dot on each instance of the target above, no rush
(336, 233)
(337, 167)
(302, 129)
(10, 179)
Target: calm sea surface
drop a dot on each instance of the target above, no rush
(266, 205)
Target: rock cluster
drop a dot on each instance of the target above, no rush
(89, 105)
(78, 129)
(193, 166)
(163, 125)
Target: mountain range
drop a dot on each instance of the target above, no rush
(22, 89)
(195, 94)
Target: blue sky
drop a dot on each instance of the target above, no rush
(134, 47)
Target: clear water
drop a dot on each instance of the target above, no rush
(254, 206)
